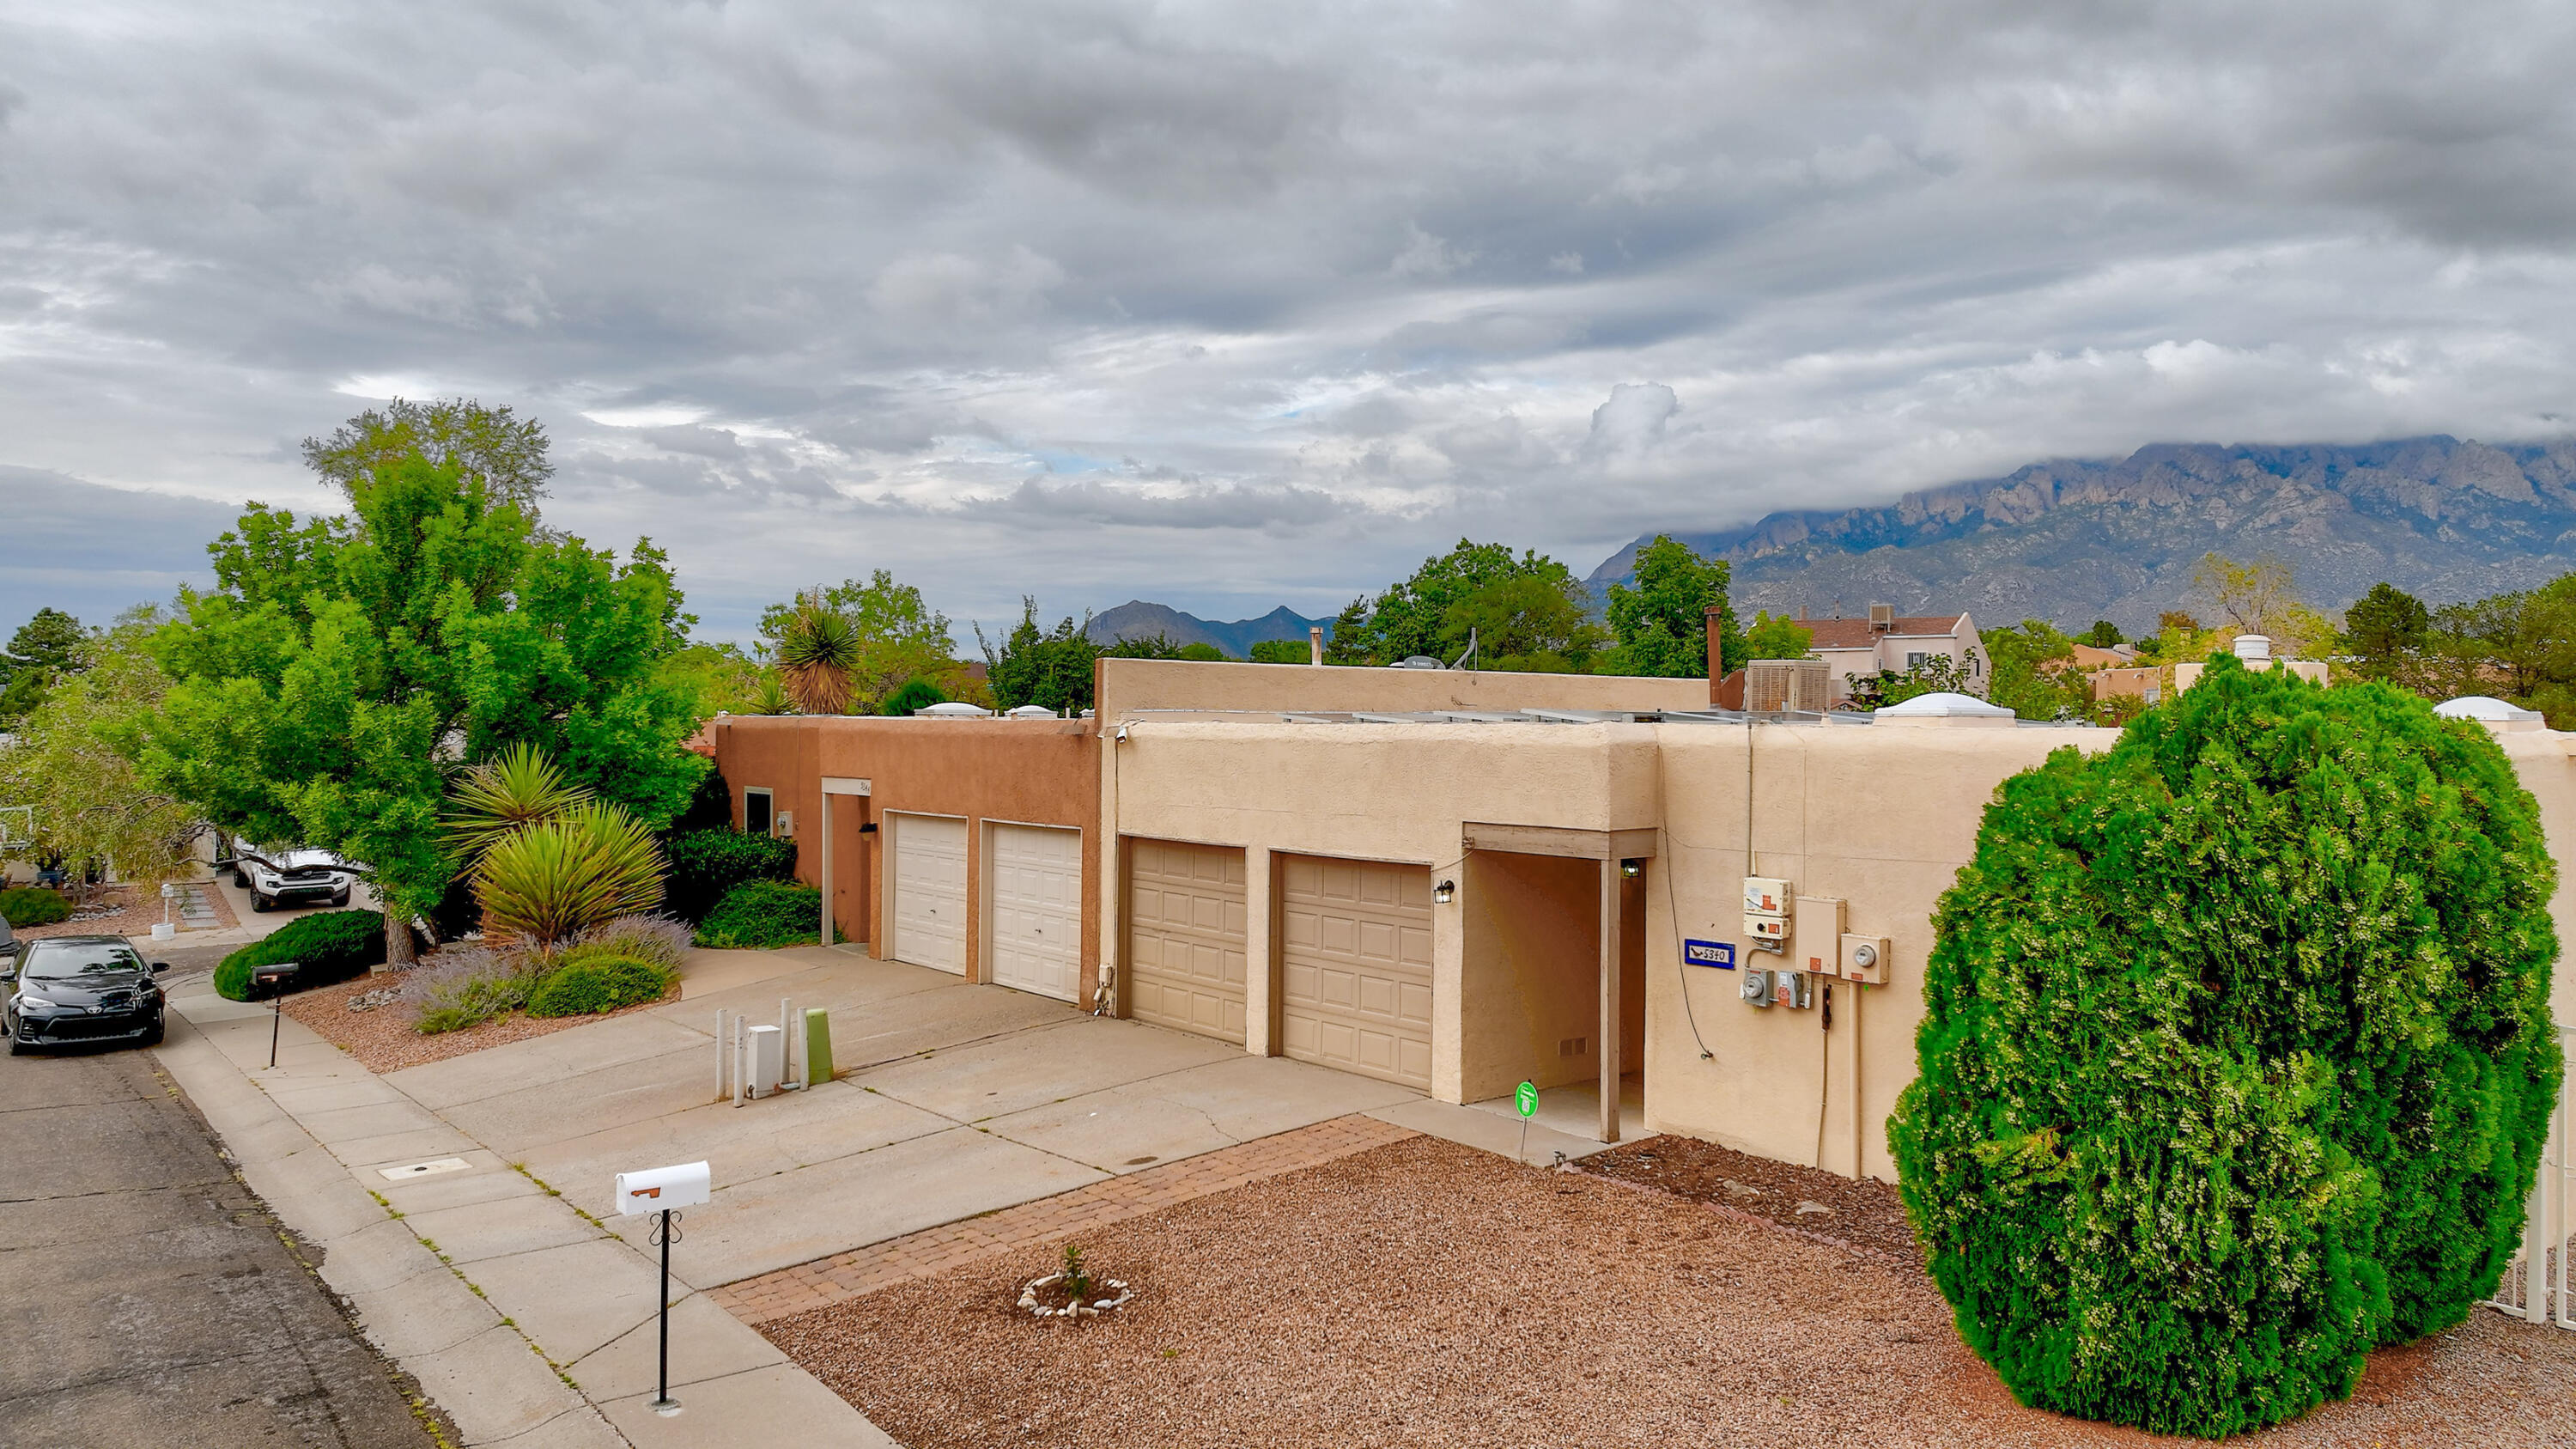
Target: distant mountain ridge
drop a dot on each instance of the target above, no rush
(1137, 619)
(2081, 539)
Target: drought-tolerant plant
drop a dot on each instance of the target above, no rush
(707, 864)
(512, 790)
(33, 906)
(818, 656)
(594, 984)
(657, 939)
(2237, 1055)
(763, 915)
(1077, 1278)
(329, 947)
(465, 986)
(546, 883)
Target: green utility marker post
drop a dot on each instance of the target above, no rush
(818, 1046)
(1525, 1097)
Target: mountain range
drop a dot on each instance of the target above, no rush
(2084, 539)
(1137, 619)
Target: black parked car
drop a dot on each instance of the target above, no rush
(80, 989)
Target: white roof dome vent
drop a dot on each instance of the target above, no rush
(954, 709)
(2254, 648)
(2487, 710)
(1945, 708)
(1029, 711)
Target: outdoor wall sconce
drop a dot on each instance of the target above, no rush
(867, 827)
(1444, 893)
(1632, 868)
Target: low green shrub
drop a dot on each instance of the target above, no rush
(706, 865)
(332, 946)
(762, 915)
(24, 906)
(2236, 1057)
(659, 940)
(913, 694)
(594, 984)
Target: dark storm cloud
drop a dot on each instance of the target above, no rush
(824, 287)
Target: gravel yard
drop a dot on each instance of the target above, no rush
(1867, 1214)
(1425, 1293)
(382, 1038)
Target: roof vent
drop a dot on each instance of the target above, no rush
(2254, 648)
(955, 709)
(1945, 708)
(1882, 618)
(1419, 661)
(1029, 711)
(2494, 713)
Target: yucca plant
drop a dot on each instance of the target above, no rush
(546, 883)
(514, 789)
(818, 656)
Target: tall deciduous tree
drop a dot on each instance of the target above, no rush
(42, 650)
(491, 446)
(1777, 637)
(72, 760)
(2384, 631)
(342, 671)
(1662, 623)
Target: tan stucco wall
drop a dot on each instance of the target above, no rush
(1531, 968)
(1028, 772)
(1130, 686)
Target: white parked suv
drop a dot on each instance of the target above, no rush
(292, 877)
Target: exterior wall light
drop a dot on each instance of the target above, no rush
(1632, 868)
(1444, 893)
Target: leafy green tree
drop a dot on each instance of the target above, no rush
(1661, 624)
(1162, 646)
(342, 670)
(2385, 631)
(1777, 637)
(2103, 635)
(503, 452)
(2034, 673)
(2237, 1056)
(1282, 651)
(1049, 667)
(720, 678)
(45, 648)
(1533, 621)
(896, 636)
(73, 760)
(1414, 616)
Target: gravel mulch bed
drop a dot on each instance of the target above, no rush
(1867, 1213)
(382, 1038)
(118, 911)
(1427, 1294)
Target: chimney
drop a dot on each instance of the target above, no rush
(1314, 643)
(1882, 618)
(1802, 613)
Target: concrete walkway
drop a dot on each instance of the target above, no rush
(527, 1311)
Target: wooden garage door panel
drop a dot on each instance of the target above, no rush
(1355, 971)
(1037, 910)
(1186, 924)
(930, 891)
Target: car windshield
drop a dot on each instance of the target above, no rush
(71, 960)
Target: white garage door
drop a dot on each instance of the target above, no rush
(1185, 937)
(1037, 910)
(929, 891)
(1355, 966)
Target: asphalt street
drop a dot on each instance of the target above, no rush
(146, 1295)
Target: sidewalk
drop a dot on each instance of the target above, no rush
(523, 1317)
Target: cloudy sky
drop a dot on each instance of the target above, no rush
(1233, 306)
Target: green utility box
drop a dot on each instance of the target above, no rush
(818, 1046)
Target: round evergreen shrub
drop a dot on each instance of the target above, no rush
(705, 865)
(326, 948)
(915, 693)
(24, 906)
(763, 915)
(595, 984)
(2237, 1055)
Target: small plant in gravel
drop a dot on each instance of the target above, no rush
(1068, 1291)
(661, 940)
(1076, 1279)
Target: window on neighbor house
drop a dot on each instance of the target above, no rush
(1917, 659)
(756, 812)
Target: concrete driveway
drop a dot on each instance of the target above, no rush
(955, 1100)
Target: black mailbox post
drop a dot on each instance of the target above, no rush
(272, 980)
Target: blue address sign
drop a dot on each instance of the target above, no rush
(1720, 954)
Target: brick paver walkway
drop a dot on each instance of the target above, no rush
(1048, 1221)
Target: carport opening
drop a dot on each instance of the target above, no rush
(1532, 974)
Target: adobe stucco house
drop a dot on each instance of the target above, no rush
(1451, 881)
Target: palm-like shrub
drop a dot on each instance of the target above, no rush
(818, 656)
(2236, 1057)
(517, 788)
(546, 883)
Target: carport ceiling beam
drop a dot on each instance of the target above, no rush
(1563, 841)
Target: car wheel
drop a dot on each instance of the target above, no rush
(18, 1048)
(341, 899)
(153, 1037)
(261, 903)
(241, 880)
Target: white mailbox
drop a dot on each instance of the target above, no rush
(658, 1188)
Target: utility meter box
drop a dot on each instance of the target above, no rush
(1865, 959)
(1756, 988)
(1769, 933)
(1821, 918)
(1766, 896)
(657, 1188)
(1794, 989)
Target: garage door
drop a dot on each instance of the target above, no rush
(1185, 929)
(1037, 910)
(929, 891)
(1355, 966)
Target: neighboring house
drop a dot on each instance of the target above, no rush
(2116, 657)
(1892, 642)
